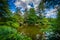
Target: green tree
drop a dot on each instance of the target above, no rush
(4, 9)
(32, 17)
(5, 13)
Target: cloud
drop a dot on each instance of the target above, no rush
(25, 3)
(51, 13)
(20, 3)
(23, 0)
(17, 4)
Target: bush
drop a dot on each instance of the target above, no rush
(8, 33)
(13, 24)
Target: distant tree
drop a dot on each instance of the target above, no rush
(32, 17)
(5, 13)
(55, 25)
(4, 10)
(40, 12)
(6, 17)
(25, 16)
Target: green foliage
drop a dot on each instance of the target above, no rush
(17, 17)
(8, 33)
(43, 24)
(12, 24)
(4, 9)
(57, 28)
(41, 6)
(32, 17)
(58, 19)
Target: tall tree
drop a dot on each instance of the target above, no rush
(4, 10)
(31, 17)
(58, 22)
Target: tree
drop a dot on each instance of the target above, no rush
(5, 13)
(4, 9)
(32, 17)
(56, 29)
(40, 12)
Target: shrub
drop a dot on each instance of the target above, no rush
(13, 24)
(8, 33)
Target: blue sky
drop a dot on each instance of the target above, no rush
(23, 4)
(12, 6)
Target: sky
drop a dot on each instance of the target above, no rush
(12, 6)
(27, 4)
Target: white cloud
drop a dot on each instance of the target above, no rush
(13, 11)
(28, 6)
(51, 13)
(24, 4)
(23, 0)
(19, 3)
